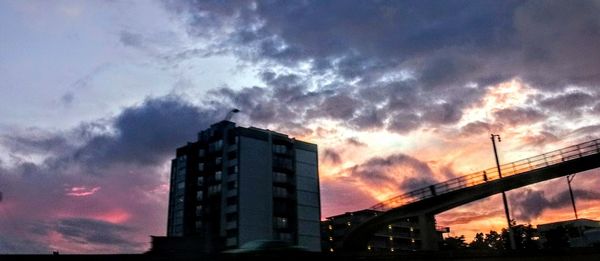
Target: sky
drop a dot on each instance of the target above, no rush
(97, 95)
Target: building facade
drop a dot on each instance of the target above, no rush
(402, 235)
(570, 233)
(236, 185)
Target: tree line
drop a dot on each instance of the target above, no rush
(526, 238)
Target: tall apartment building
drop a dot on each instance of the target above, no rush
(236, 185)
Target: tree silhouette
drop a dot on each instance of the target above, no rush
(494, 240)
(454, 243)
(479, 242)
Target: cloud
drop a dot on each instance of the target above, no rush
(82, 191)
(100, 187)
(355, 142)
(596, 109)
(90, 231)
(519, 116)
(398, 66)
(570, 104)
(342, 196)
(398, 171)
(531, 203)
(67, 98)
(541, 139)
(331, 156)
(131, 39)
(444, 43)
(146, 133)
(479, 127)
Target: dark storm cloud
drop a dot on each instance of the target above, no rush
(531, 203)
(448, 51)
(126, 153)
(587, 130)
(596, 109)
(557, 40)
(479, 127)
(570, 104)
(131, 39)
(35, 141)
(541, 139)
(369, 118)
(519, 116)
(146, 133)
(402, 171)
(331, 156)
(355, 142)
(94, 231)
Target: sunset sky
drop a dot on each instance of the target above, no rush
(96, 95)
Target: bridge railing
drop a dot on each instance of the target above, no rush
(480, 177)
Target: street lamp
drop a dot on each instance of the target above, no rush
(569, 180)
(511, 237)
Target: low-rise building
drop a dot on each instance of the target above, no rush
(403, 235)
(570, 233)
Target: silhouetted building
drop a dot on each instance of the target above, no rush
(570, 233)
(236, 185)
(403, 235)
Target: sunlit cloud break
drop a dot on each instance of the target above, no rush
(82, 191)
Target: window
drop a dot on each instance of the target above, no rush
(199, 210)
(180, 185)
(181, 161)
(231, 217)
(180, 174)
(280, 192)
(285, 236)
(218, 160)
(280, 162)
(179, 214)
(178, 222)
(216, 146)
(214, 189)
(231, 155)
(281, 149)
(201, 153)
(199, 195)
(198, 225)
(200, 181)
(178, 230)
(232, 201)
(281, 207)
(279, 177)
(281, 222)
(231, 232)
(231, 185)
(218, 175)
(232, 170)
(201, 166)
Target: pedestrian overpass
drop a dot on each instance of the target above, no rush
(425, 203)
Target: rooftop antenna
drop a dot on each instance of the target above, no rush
(230, 114)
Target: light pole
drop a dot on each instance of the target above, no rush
(511, 237)
(569, 180)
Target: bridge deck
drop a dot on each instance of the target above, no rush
(437, 198)
(491, 174)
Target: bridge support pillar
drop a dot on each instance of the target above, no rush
(429, 236)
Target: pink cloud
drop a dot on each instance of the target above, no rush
(82, 191)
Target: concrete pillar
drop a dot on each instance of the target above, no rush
(428, 234)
